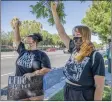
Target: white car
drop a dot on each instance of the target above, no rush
(65, 50)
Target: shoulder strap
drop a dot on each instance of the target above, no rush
(74, 51)
(93, 57)
(70, 58)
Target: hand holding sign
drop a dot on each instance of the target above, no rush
(29, 75)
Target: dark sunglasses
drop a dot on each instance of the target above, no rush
(77, 39)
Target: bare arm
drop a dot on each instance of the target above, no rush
(17, 37)
(42, 71)
(99, 82)
(64, 37)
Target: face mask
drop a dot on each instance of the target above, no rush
(27, 47)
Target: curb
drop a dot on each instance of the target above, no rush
(53, 90)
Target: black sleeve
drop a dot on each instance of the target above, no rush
(21, 48)
(71, 46)
(45, 61)
(99, 66)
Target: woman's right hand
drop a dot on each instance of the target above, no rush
(15, 23)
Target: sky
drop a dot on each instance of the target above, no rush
(75, 11)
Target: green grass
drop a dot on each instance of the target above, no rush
(106, 95)
(58, 97)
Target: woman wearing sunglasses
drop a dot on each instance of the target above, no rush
(31, 61)
(84, 79)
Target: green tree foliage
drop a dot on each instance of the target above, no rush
(51, 39)
(28, 27)
(98, 46)
(42, 10)
(6, 38)
(98, 18)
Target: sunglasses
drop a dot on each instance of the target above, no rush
(77, 39)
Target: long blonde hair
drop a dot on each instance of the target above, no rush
(87, 47)
(84, 31)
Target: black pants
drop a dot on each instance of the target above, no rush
(78, 93)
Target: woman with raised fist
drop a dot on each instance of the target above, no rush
(31, 61)
(85, 70)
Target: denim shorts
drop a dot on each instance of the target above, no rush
(78, 93)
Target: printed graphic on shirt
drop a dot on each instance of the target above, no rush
(73, 69)
(26, 60)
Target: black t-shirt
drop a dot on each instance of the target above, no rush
(83, 73)
(30, 61)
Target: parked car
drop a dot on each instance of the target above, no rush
(65, 50)
(51, 49)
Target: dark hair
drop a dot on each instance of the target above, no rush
(36, 37)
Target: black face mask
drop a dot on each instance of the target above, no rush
(78, 42)
(77, 39)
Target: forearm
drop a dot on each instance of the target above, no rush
(42, 71)
(17, 35)
(61, 31)
(98, 94)
(59, 26)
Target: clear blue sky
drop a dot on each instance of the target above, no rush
(75, 11)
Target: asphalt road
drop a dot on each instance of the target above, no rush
(58, 59)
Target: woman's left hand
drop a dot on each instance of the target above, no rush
(29, 75)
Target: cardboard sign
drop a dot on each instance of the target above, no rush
(21, 87)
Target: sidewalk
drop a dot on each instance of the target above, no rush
(53, 90)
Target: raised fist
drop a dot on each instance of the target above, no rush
(15, 22)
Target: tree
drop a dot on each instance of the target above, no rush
(98, 46)
(45, 35)
(6, 38)
(98, 18)
(3, 38)
(10, 38)
(28, 27)
(55, 39)
(51, 39)
(42, 10)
